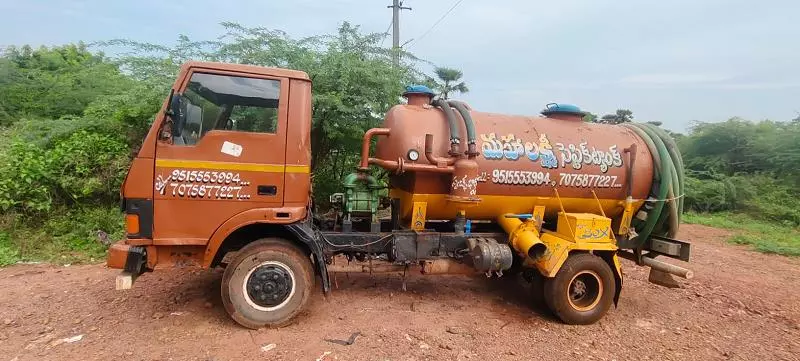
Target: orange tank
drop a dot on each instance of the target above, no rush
(522, 162)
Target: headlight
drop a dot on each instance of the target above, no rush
(413, 155)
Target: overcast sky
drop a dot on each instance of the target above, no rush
(675, 61)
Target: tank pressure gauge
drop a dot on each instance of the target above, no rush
(413, 155)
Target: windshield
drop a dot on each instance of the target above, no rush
(226, 102)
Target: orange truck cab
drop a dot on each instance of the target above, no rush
(223, 179)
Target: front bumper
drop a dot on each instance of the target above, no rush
(131, 259)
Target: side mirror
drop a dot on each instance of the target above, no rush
(176, 114)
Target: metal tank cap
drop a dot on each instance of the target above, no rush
(419, 95)
(563, 111)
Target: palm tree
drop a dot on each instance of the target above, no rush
(449, 81)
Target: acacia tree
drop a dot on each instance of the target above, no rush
(619, 117)
(449, 81)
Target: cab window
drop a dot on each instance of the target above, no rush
(213, 101)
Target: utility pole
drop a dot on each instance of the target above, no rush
(396, 6)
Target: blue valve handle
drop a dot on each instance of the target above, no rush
(522, 217)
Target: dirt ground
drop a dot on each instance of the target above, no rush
(741, 305)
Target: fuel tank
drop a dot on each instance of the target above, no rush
(556, 161)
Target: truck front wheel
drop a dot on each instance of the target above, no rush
(582, 291)
(267, 284)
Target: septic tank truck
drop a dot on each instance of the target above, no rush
(223, 179)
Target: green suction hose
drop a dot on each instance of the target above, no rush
(668, 186)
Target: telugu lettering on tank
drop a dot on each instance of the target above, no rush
(183, 183)
(551, 157)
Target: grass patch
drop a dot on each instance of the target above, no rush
(763, 236)
(8, 253)
(66, 236)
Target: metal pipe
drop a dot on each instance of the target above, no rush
(427, 267)
(435, 160)
(523, 236)
(444, 266)
(359, 267)
(400, 166)
(631, 161)
(660, 266)
(365, 145)
(469, 123)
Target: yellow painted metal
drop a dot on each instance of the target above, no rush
(592, 233)
(558, 249)
(491, 205)
(585, 227)
(538, 216)
(253, 167)
(419, 216)
(617, 266)
(627, 215)
(523, 236)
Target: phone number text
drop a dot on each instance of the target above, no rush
(181, 175)
(522, 177)
(588, 180)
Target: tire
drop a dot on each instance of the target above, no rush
(267, 284)
(582, 291)
(536, 283)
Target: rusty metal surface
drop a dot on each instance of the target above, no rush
(117, 255)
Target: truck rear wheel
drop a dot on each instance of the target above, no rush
(267, 284)
(582, 291)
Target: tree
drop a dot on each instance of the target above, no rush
(621, 116)
(449, 81)
(590, 117)
(54, 82)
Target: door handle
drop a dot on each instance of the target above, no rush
(267, 190)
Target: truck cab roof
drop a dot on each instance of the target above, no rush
(251, 69)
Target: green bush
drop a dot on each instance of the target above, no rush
(766, 198)
(708, 195)
(88, 166)
(8, 253)
(67, 235)
(24, 178)
(759, 196)
(81, 166)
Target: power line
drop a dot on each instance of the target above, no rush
(440, 20)
(386, 33)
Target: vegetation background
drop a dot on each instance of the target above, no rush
(72, 118)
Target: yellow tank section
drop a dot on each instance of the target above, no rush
(440, 208)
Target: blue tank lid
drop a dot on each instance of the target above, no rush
(556, 108)
(419, 89)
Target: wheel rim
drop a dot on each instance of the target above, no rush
(585, 290)
(268, 286)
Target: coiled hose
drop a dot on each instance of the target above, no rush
(667, 188)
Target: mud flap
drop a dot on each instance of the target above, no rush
(307, 233)
(613, 262)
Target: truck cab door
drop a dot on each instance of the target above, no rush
(226, 153)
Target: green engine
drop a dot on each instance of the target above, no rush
(361, 198)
